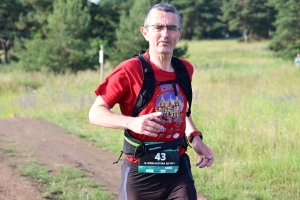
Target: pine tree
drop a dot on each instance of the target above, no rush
(200, 18)
(253, 18)
(286, 39)
(9, 14)
(33, 20)
(130, 41)
(66, 45)
(105, 18)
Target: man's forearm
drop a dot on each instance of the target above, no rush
(190, 126)
(103, 116)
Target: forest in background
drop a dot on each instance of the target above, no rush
(245, 101)
(65, 35)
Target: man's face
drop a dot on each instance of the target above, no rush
(162, 32)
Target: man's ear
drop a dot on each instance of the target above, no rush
(144, 33)
(179, 35)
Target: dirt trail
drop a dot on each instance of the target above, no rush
(54, 148)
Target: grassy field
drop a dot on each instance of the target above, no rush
(246, 103)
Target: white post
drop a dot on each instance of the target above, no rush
(101, 62)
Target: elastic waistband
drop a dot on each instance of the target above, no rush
(130, 164)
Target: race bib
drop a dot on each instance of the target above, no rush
(166, 161)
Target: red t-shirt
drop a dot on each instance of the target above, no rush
(123, 85)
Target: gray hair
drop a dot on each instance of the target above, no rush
(163, 7)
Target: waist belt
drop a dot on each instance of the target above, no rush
(136, 148)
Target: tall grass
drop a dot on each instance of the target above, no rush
(246, 102)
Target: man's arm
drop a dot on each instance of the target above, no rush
(100, 114)
(190, 126)
(205, 153)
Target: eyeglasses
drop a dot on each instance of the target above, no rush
(159, 28)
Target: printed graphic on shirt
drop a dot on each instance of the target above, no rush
(170, 105)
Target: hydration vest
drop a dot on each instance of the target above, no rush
(149, 84)
(136, 148)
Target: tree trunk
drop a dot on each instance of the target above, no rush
(4, 44)
(246, 38)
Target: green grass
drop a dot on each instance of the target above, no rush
(248, 111)
(246, 102)
(67, 184)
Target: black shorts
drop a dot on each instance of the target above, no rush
(146, 186)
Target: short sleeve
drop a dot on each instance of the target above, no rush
(122, 85)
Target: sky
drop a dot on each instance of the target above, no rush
(95, 1)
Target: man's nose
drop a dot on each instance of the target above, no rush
(165, 31)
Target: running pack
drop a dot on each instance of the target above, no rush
(136, 148)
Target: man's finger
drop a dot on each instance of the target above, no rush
(150, 134)
(155, 114)
(210, 162)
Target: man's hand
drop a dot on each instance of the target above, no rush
(147, 124)
(205, 153)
